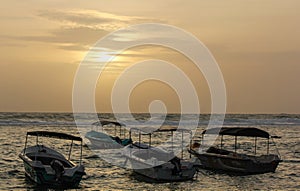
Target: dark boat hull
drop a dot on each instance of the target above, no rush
(238, 164)
(148, 165)
(41, 177)
(150, 179)
(37, 164)
(160, 174)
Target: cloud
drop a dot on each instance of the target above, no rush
(76, 17)
(73, 47)
(91, 18)
(12, 45)
(80, 29)
(68, 38)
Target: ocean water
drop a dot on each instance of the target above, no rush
(102, 175)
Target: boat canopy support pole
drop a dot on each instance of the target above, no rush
(276, 147)
(150, 140)
(255, 140)
(37, 142)
(221, 141)
(268, 146)
(191, 141)
(172, 140)
(235, 143)
(139, 139)
(25, 144)
(80, 153)
(70, 150)
(182, 144)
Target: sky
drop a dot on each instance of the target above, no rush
(255, 43)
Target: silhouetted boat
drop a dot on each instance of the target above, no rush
(233, 162)
(103, 140)
(47, 167)
(154, 164)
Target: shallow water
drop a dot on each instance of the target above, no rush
(103, 176)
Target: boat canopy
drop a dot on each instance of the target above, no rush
(54, 135)
(149, 130)
(107, 122)
(238, 131)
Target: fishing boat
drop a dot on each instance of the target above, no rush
(233, 162)
(102, 140)
(47, 167)
(155, 164)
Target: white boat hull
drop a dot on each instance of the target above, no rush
(101, 140)
(154, 170)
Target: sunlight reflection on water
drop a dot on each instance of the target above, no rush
(104, 176)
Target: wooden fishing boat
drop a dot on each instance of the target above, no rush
(46, 166)
(102, 140)
(233, 162)
(154, 164)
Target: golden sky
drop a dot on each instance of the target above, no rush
(255, 42)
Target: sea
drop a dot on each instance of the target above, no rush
(102, 175)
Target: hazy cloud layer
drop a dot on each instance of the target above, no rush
(80, 29)
(91, 18)
(75, 38)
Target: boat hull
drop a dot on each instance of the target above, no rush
(42, 173)
(99, 144)
(238, 164)
(163, 172)
(103, 141)
(40, 177)
(158, 174)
